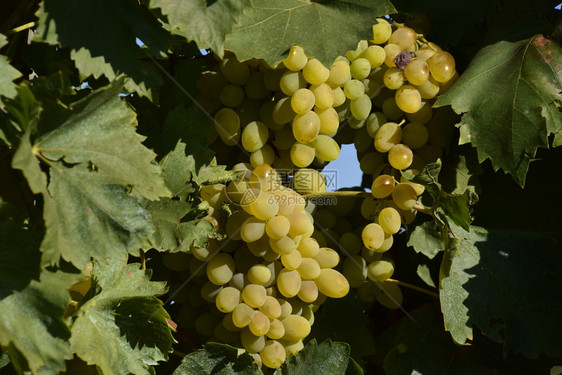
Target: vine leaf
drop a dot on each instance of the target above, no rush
(326, 358)
(7, 74)
(323, 29)
(32, 323)
(217, 359)
(121, 23)
(205, 24)
(427, 238)
(125, 322)
(507, 96)
(424, 273)
(94, 156)
(485, 288)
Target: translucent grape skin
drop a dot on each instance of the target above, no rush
(404, 196)
(387, 136)
(400, 156)
(302, 101)
(296, 60)
(442, 66)
(408, 99)
(382, 186)
(389, 220)
(315, 72)
(372, 236)
(417, 72)
(381, 31)
(306, 127)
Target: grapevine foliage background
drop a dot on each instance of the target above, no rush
(102, 152)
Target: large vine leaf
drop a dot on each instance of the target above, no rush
(507, 96)
(93, 157)
(428, 239)
(205, 22)
(103, 37)
(123, 328)
(32, 322)
(218, 359)
(507, 283)
(7, 74)
(324, 29)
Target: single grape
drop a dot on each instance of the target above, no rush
(276, 329)
(309, 181)
(372, 236)
(259, 274)
(254, 136)
(382, 186)
(391, 50)
(271, 307)
(414, 135)
(417, 71)
(441, 66)
(291, 81)
(403, 37)
(423, 115)
(393, 78)
(306, 127)
(381, 31)
(404, 196)
(282, 111)
(259, 324)
(273, 354)
(220, 269)
(308, 292)
(361, 107)
(391, 110)
(326, 148)
(308, 247)
(353, 89)
(315, 73)
(375, 54)
(251, 342)
(254, 295)
(289, 282)
(231, 95)
(309, 269)
(332, 283)
(291, 261)
(400, 156)
(265, 155)
(252, 229)
(227, 299)
(235, 71)
(339, 96)
(371, 163)
(296, 327)
(351, 55)
(340, 73)
(329, 121)
(242, 315)
(387, 136)
(429, 89)
(296, 60)
(323, 96)
(327, 258)
(389, 220)
(380, 270)
(302, 101)
(302, 155)
(408, 99)
(360, 68)
(283, 245)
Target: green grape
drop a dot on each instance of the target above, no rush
(351, 55)
(274, 266)
(259, 324)
(339, 96)
(291, 81)
(323, 96)
(381, 31)
(371, 163)
(231, 95)
(255, 87)
(254, 136)
(286, 308)
(380, 270)
(400, 156)
(374, 122)
(264, 177)
(387, 136)
(309, 181)
(326, 148)
(429, 89)
(252, 229)
(332, 283)
(387, 243)
(235, 71)
(355, 270)
(371, 255)
(353, 89)
(350, 243)
(283, 139)
(389, 220)
(361, 107)
(276, 329)
(343, 111)
(301, 224)
(259, 274)
(176, 261)
(340, 73)
(391, 50)
(277, 227)
(251, 342)
(220, 269)
(389, 295)
(423, 115)
(372, 236)
(372, 87)
(196, 267)
(309, 269)
(273, 354)
(408, 99)
(308, 247)
(315, 72)
(271, 79)
(227, 299)
(370, 208)
(291, 261)
(296, 60)
(205, 324)
(283, 245)
(382, 186)
(302, 101)
(213, 194)
(227, 125)
(415, 135)
(417, 71)
(360, 68)
(266, 116)
(263, 206)
(296, 327)
(254, 295)
(302, 155)
(308, 292)
(425, 52)
(441, 66)
(375, 55)
(327, 258)
(265, 155)
(329, 121)
(209, 291)
(271, 307)
(391, 110)
(417, 187)
(404, 195)
(430, 153)
(282, 111)
(354, 123)
(289, 282)
(403, 37)
(306, 127)
(393, 78)
(228, 324)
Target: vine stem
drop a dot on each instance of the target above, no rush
(424, 210)
(413, 287)
(350, 193)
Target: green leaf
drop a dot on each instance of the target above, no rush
(214, 174)
(424, 273)
(32, 321)
(354, 332)
(427, 238)
(19, 253)
(217, 359)
(7, 75)
(123, 328)
(325, 358)
(93, 157)
(177, 171)
(417, 344)
(557, 140)
(123, 22)
(507, 95)
(324, 29)
(486, 287)
(206, 23)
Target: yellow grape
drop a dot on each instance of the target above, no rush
(283, 245)
(296, 327)
(326, 148)
(308, 292)
(282, 111)
(242, 315)
(273, 354)
(339, 96)
(389, 220)
(235, 71)
(259, 324)
(306, 127)
(265, 155)
(302, 101)
(309, 269)
(302, 155)
(276, 329)
(289, 282)
(227, 125)
(372, 236)
(415, 135)
(381, 31)
(387, 136)
(291, 81)
(393, 78)
(340, 73)
(327, 258)
(308, 247)
(423, 115)
(323, 96)
(271, 307)
(380, 270)
(391, 50)
(227, 299)
(220, 269)
(400, 156)
(404, 196)
(296, 60)
(329, 121)
(403, 37)
(259, 274)
(375, 54)
(417, 72)
(332, 283)
(360, 68)
(361, 107)
(251, 342)
(309, 181)
(408, 99)
(315, 72)
(441, 66)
